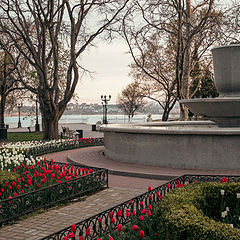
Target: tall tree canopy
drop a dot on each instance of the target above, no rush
(185, 31)
(37, 28)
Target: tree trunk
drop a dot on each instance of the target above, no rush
(2, 108)
(165, 115)
(186, 65)
(50, 128)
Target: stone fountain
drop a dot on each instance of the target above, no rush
(224, 110)
(210, 144)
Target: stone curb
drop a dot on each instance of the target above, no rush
(129, 174)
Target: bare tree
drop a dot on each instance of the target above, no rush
(130, 100)
(9, 81)
(154, 72)
(188, 28)
(37, 28)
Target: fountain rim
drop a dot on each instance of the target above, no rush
(171, 128)
(227, 46)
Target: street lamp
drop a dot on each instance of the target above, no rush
(19, 105)
(104, 103)
(37, 126)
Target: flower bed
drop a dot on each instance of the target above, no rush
(134, 219)
(36, 148)
(28, 183)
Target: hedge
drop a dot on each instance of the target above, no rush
(193, 211)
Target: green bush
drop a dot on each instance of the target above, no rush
(7, 176)
(191, 213)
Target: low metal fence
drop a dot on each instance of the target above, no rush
(49, 196)
(93, 224)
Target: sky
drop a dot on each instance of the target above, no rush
(109, 62)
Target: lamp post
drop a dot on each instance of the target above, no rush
(37, 126)
(104, 103)
(19, 105)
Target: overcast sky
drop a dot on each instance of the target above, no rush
(110, 64)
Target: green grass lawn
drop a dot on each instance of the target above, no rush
(24, 136)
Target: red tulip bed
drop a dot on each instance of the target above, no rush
(141, 225)
(28, 183)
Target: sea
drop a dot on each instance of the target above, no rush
(87, 119)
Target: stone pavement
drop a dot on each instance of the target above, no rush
(54, 220)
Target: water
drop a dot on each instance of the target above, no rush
(87, 119)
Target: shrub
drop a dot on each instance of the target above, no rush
(191, 213)
(7, 176)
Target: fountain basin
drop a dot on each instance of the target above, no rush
(194, 145)
(224, 111)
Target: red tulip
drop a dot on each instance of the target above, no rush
(133, 213)
(141, 218)
(71, 235)
(144, 211)
(111, 214)
(119, 227)
(150, 207)
(119, 213)
(73, 228)
(141, 234)
(149, 188)
(149, 213)
(113, 220)
(99, 220)
(88, 231)
(150, 197)
(38, 185)
(135, 227)
(141, 204)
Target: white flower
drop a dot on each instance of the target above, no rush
(222, 192)
(238, 195)
(223, 214)
(227, 209)
(231, 225)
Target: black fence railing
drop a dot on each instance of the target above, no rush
(64, 145)
(157, 193)
(45, 197)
